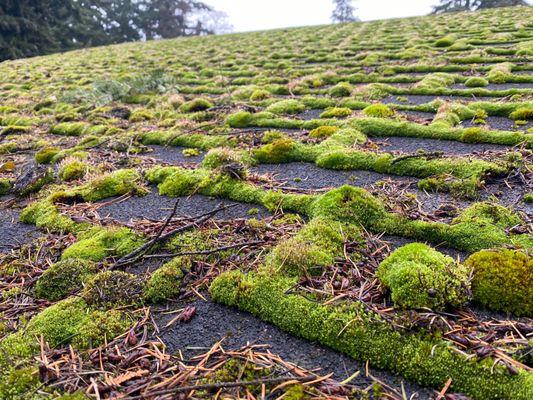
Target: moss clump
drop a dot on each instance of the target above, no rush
(500, 73)
(45, 156)
(100, 327)
(445, 41)
(116, 183)
(174, 181)
(286, 107)
(165, 283)
(199, 104)
(260, 94)
(341, 89)
(5, 186)
(488, 214)
(528, 198)
(419, 276)
(190, 152)
(336, 112)
(378, 111)
(73, 170)
(323, 131)
(70, 128)
(279, 151)
(350, 204)
(221, 156)
(18, 383)
(503, 280)
(112, 289)
(296, 257)
(98, 243)
(522, 114)
(476, 81)
(240, 119)
(140, 115)
(63, 278)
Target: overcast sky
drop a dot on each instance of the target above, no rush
(250, 15)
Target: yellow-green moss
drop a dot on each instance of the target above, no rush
(419, 276)
(503, 280)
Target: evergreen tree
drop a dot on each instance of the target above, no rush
(33, 27)
(343, 12)
(172, 18)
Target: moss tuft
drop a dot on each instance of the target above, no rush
(112, 289)
(378, 111)
(63, 278)
(199, 104)
(323, 131)
(419, 276)
(165, 283)
(70, 128)
(98, 243)
(279, 151)
(45, 156)
(286, 107)
(476, 81)
(349, 204)
(336, 112)
(503, 280)
(73, 170)
(341, 89)
(522, 114)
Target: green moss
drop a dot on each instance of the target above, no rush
(296, 257)
(419, 276)
(44, 156)
(5, 186)
(476, 81)
(44, 214)
(101, 327)
(323, 131)
(18, 383)
(110, 289)
(445, 41)
(141, 115)
(260, 94)
(279, 151)
(378, 111)
(58, 323)
(221, 156)
(73, 170)
(528, 198)
(341, 89)
(336, 112)
(198, 104)
(97, 244)
(286, 107)
(349, 204)
(70, 128)
(522, 114)
(176, 181)
(190, 152)
(503, 280)
(240, 119)
(112, 184)
(165, 283)
(352, 330)
(485, 213)
(500, 73)
(63, 278)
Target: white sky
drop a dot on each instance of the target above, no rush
(250, 15)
